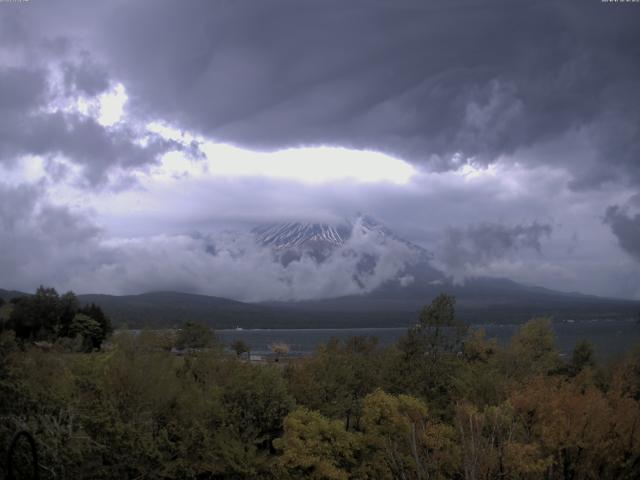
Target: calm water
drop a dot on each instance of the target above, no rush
(609, 337)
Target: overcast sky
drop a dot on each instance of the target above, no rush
(503, 136)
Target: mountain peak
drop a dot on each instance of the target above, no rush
(301, 235)
(320, 239)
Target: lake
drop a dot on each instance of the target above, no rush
(609, 337)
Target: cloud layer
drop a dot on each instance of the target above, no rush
(435, 83)
(479, 245)
(625, 225)
(520, 121)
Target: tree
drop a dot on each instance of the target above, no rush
(48, 316)
(429, 353)
(37, 316)
(583, 356)
(5, 314)
(400, 443)
(88, 329)
(438, 331)
(583, 431)
(477, 348)
(240, 347)
(439, 328)
(338, 377)
(494, 445)
(480, 379)
(315, 447)
(7, 348)
(94, 311)
(533, 349)
(67, 307)
(194, 335)
(255, 402)
(406, 369)
(627, 378)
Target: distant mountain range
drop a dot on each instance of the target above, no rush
(395, 301)
(478, 301)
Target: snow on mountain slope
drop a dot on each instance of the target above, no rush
(368, 226)
(371, 248)
(300, 235)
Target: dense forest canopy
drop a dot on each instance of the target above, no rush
(442, 403)
(48, 316)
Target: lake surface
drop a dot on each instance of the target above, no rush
(609, 337)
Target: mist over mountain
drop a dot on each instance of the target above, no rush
(371, 253)
(355, 271)
(292, 240)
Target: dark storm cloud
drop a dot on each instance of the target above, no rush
(422, 80)
(41, 69)
(85, 76)
(42, 242)
(16, 203)
(486, 242)
(27, 127)
(626, 227)
(22, 89)
(433, 82)
(88, 143)
(27, 206)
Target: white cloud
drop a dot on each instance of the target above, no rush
(111, 105)
(314, 164)
(235, 266)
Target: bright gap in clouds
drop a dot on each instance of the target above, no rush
(305, 164)
(107, 108)
(309, 164)
(111, 105)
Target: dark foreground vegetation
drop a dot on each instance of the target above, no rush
(442, 403)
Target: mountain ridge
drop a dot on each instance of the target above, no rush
(170, 309)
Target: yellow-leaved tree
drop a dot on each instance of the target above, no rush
(401, 443)
(315, 447)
